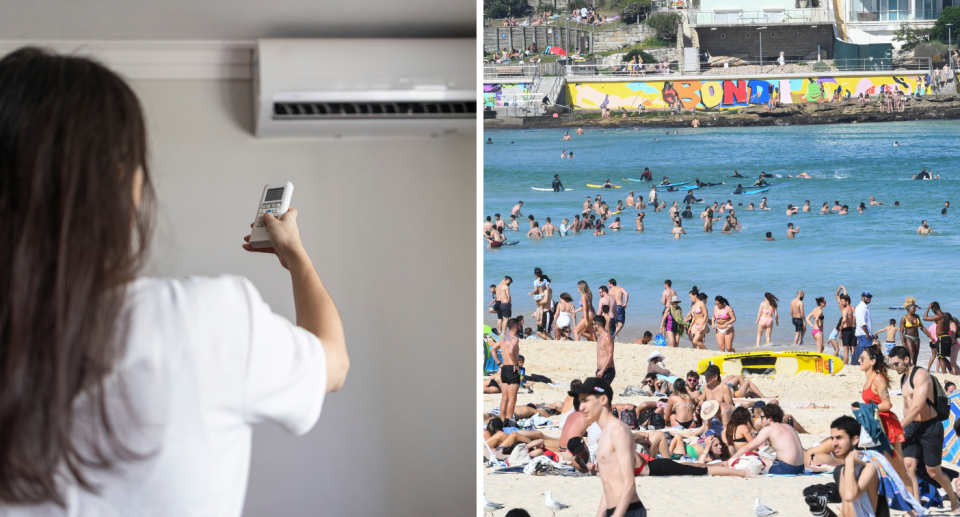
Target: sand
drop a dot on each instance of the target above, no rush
(714, 496)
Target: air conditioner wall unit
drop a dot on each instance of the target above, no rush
(359, 87)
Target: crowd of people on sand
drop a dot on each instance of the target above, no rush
(705, 423)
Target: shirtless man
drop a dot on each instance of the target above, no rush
(735, 223)
(825, 210)
(763, 204)
(586, 206)
(487, 226)
(516, 210)
(640, 216)
(615, 453)
(848, 324)
(620, 296)
(836, 206)
(668, 293)
(782, 438)
(531, 221)
(674, 211)
(499, 223)
(509, 371)
(797, 314)
(549, 228)
(806, 206)
(713, 389)
(575, 426)
(921, 427)
(605, 366)
(630, 201)
(924, 229)
(579, 131)
(873, 201)
(514, 225)
(792, 231)
(611, 312)
(597, 205)
(615, 225)
(791, 210)
(504, 311)
(535, 232)
(566, 136)
(653, 196)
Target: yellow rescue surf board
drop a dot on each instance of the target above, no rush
(781, 362)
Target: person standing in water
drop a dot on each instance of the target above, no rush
(557, 185)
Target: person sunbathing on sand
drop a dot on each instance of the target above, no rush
(782, 438)
(743, 388)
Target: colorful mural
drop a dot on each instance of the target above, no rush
(724, 94)
(493, 94)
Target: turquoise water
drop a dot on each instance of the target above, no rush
(878, 251)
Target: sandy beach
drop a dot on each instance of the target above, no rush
(714, 496)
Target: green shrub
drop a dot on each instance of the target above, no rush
(910, 37)
(665, 25)
(576, 5)
(821, 66)
(939, 31)
(656, 42)
(931, 49)
(505, 8)
(647, 58)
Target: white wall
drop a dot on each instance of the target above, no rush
(390, 225)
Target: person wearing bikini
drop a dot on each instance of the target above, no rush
(564, 317)
(681, 407)
(723, 319)
(585, 326)
(910, 328)
(876, 391)
(766, 316)
(944, 340)
(848, 337)
(605, 366)
(815, 319)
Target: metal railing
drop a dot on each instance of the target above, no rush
(510, 71)
(520, 105)
(893, 16)
(787, 16)
(756, 68)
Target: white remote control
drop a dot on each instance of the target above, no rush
(276, 200)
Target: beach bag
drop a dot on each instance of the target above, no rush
(650, 418)
(659, 340)
(866, 441)
(629, 417)
(749, 461)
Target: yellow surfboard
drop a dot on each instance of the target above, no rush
(601, 186)
(780, 362)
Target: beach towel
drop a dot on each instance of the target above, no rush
(891, 486)
(669, 378)
(951, 443)
(541, 461)
(534, 422)
(866, 415)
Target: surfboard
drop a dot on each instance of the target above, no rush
(673, 184)
(780, 362)
(631, 179)
(550, 189)
(601, 186)
(760, 191)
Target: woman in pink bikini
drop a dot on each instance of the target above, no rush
(815, 320)
(767, 316)
(723, 318)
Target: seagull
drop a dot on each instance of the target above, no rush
(553, 505)
(761, 510)
(489, 506)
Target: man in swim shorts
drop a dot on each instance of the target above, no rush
(864, 322)
(605, 366)
(516, 209)
(944, 341)
(796, 314)
(848, 321)
(504, 311)
(509, 372)
(620, 296)
(782, 438)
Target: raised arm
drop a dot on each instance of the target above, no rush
(315, 309)
(753, 445)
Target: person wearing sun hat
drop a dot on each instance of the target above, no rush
(672, 325)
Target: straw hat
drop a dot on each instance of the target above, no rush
(709, 409)
(674, 299)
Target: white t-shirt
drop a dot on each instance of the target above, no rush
(862, 313)
(205, 359)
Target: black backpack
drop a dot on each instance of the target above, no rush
(941, 404)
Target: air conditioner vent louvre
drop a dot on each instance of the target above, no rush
(378, 110)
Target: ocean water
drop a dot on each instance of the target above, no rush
(878, 251)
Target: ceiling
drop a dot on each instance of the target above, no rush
(234, 19)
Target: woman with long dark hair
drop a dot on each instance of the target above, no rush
(876, 391)
(739, 429)
(723, 319)
(766, 316)
(124, 395)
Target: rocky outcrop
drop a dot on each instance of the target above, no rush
(934, 107)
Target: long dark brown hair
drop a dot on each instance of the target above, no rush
(71, 141)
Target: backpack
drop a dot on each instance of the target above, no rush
(629, 417)
(941, 404)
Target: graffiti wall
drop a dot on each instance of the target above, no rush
(497, 94)
(723, 94)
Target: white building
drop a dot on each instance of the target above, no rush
(875, 21)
